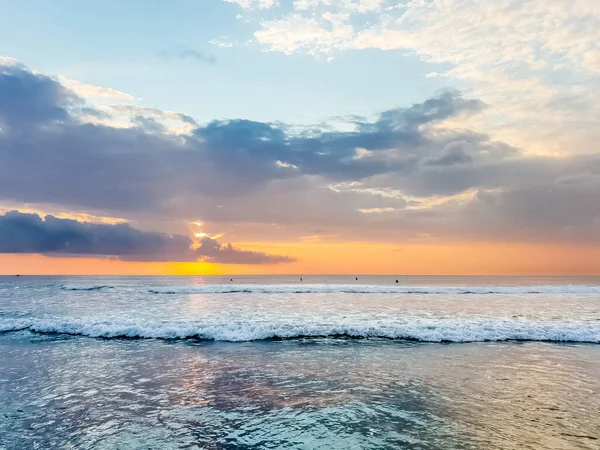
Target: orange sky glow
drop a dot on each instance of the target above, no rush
(344, 258)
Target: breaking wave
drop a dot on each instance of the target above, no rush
(408, 329)
(370, 289)
(85, 288)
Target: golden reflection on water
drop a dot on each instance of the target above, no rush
(495, 395)
(380, 394)
(523, 399)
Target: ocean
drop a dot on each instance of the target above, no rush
(329, 362)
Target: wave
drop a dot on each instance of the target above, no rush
(370, 289)
(86, 288)
(407, 329)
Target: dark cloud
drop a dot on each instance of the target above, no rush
(333, 154)
(248, 172)
(213, 251)
(145, 169)
(181, 52)
(29, 233)
(28, 99)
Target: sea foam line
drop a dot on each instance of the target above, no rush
(340, 289)
(413, 329)
(86, 288)
(370, 289)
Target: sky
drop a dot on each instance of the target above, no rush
(300, 136)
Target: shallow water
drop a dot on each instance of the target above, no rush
(331, 390)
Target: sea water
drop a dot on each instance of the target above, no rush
(323, 363)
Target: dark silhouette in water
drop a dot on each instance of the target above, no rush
(300, 278)
(396, 281)
(357, 278)
(231, 279)
(17, 275)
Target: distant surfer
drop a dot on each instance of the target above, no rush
(300, 278)
(231, 279)
(396, 281)
(357, 278)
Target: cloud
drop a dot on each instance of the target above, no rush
(221, 43)
(8, 61)
(27, 99)
(89, 90)
(213, 251)
(135, 110)
(414, 173)
(181, 52)
(250, 4)
(152, 119)
(505, 52)
(130, 168)
(268, 149)
(300, 33)
(29, 233)
(516, 32)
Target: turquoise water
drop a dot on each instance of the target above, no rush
(428, 363)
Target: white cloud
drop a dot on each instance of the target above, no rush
(362, 153)
(173, 122)
(505, 52)
(377, 210)
(251, 4)
(7, 61)
(285, 165)
(89, 90)
(361, 6)
(303, 5)
(299, 33)
(478, 32)
(221, 43)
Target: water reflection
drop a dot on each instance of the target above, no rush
(301, 394)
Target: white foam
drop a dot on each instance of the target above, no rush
(407, 328)
(99, 287)
(369, 289)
